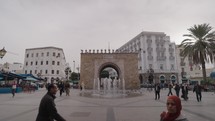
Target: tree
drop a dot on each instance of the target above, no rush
(104, 74)
(74, 76)
(199, 45)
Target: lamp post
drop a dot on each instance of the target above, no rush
(2, 53)
(73, 66)
(78, 72)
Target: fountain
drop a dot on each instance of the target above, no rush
(109, 88)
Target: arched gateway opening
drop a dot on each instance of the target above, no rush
(112, 69)
(122, 67)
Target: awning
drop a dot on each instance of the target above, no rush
(30, 79)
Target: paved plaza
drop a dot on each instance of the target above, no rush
(24, 107)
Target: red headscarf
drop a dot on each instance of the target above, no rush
(172, 116)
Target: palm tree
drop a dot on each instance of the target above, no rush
(200, 45)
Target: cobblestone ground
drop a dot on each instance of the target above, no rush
(24, 107)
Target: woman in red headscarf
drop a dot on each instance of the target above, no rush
(174, 110)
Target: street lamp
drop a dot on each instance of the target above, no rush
(74, 66)
(2, 53)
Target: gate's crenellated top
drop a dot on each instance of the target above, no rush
(105, 51)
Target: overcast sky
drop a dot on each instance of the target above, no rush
(91, 24)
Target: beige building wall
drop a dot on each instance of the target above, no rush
(126, 64)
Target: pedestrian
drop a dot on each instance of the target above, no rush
(170, 89)
(184, 89)
(67, 88)
(173, 113)
(47, 109)
(13, 89)
(177, 89)
(157, 91)
(198, 89)
(61, 88)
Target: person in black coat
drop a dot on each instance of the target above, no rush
(157, 91)
(177, 89)
(47, 109)
(198, 89)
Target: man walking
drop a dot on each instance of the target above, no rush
(13, 89)
(157, 91)
(47, 109)
(170, 89)
(177, 89)
(198, 89)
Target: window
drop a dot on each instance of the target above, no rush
(35, 72)
(53, 62)
(162, 54)
(30, 71)
(42, 54)
(36, 63)
(172, 67)
(46, 71)
(47, 62)
(182, 69)
(58, 63)
(58, 55)
(57, 71)
(41, 62)
(41, 71)
(161, 66)
(26, 71)
(47, 53)
(31, 62)
(32, 55)
(53, 53)
(52, 71)
(150, 65)
(26, 63)
(37, 54)
(27, 55)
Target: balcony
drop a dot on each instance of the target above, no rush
(182, 64)
(150, 57)
(171, 50)
(150, 49)
(149, 41)
(171, 58)
(160, 49)
(161, 58)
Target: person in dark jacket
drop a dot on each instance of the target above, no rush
(177, 89)
(47, 109)
(157, 91)
(170, 89)
(198, 89)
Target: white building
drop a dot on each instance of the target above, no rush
(14, 68)
(155, 52)
(46, 62)
(187, 70)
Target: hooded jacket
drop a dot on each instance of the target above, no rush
(47, 109)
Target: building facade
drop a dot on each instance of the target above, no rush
(189, 72)
(156, 56)
(45, 62)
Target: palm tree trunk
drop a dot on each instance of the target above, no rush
(204, 70)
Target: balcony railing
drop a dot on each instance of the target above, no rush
(150, 57)
(171, 58)
(161, 58)
(171, 50)
(182, 64)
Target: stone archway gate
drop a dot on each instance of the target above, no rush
(126, 64)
